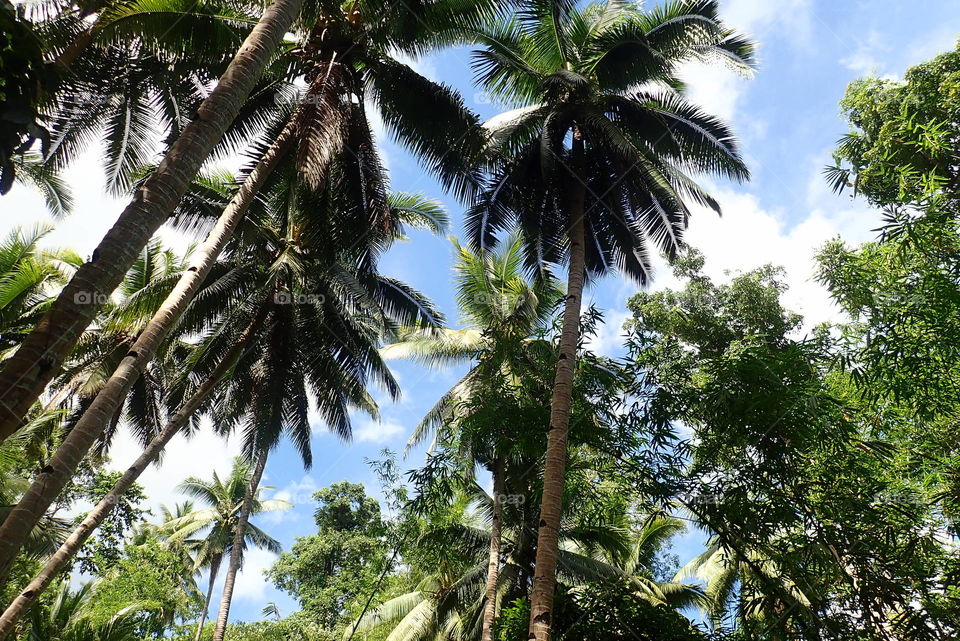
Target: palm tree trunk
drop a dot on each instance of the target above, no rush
(77, 46)
(236, 552)
(95, 517)
(493, 565)
(214, 571)
(52, 478)
(554, 471)
(39, 358)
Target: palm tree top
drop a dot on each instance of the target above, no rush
(562, 48)
(600, 109)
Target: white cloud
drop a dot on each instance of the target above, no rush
(791, 20)
(865, 58)
(748, 236)
(371, 431)
(199, 455)
(608, 340)
(251, 584)
(718, 90)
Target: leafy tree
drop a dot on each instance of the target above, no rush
(339, 564)
(604, 611)
(900, 292)
(71, 616)
(29, 277)
(592, 167)
(106, 549)
(904, 136)
(154, 577)
(798, 484)
(451, 561)
(506, 317)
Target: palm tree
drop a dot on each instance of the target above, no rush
(347, 302)
(304, 284)
(449, 603)
(16, 454)
(215, 524)
(26, 373)
(502, 312)
(758, 589)
(67, 619)
(338, 83)
(593, 165)
(33, 172)
(325, 310)
(117, 329)
(29, 277)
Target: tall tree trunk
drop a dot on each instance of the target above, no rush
(493, 565)
(95, 517)
(77, 46)
(236, 553)
(214, 571)
(61, 467)
(39, 358)
(554, 472)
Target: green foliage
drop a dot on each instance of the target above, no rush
(903, 296)
(105, 549)
(903, 143)
(155, 578)
(329, 571)
(785, 470)
(593, 86)
(602, 611)
(29, 277)
(23, 80)
(71, 615)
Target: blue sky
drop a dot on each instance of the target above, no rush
(787, 119)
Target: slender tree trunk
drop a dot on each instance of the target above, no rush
(493, 565)
(73, 50)
(214, 571)
(554, 472)
(95, 517)
(236, 553)
(40, 357)
(61, 467)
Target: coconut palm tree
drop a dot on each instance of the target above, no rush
(210, 530)
(67, 619)
(29, 277)
(32, 172)
(331, 120)
(595, 165)
(449, 603)
(18, 453)
(497, 304)
(741, 586)
(503, 312)
(25, 374)
(325, 311)
(96, 355)
(347, 47)
(345, 303)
